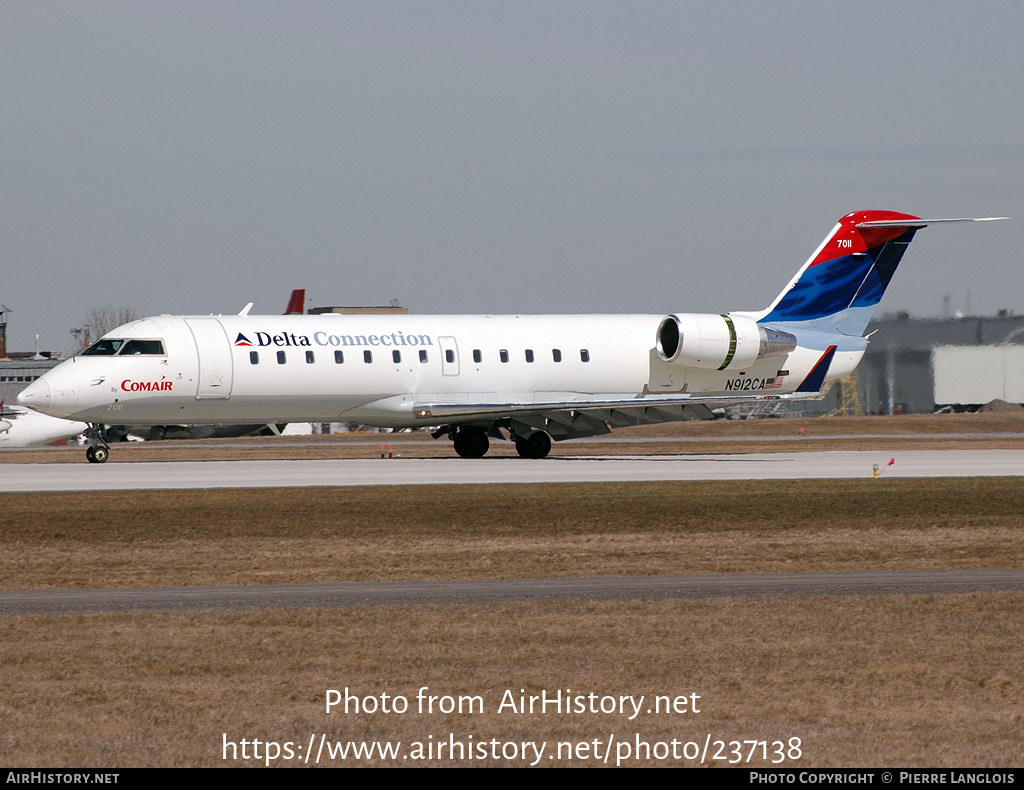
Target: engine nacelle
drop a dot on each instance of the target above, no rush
(717, 342)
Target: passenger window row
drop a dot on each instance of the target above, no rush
(396, 356)
(556, 355)
(339, 357)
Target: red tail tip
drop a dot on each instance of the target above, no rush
(296, 303)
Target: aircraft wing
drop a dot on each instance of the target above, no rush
(571, 419)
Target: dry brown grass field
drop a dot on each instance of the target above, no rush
(267, 536)
(887, 681)
(861, 680)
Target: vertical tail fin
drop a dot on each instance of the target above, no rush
(296, 303)
(840, 286)
(842, 283)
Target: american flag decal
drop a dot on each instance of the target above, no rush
(774, 384)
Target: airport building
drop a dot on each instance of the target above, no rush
(17, 369)
(15, 375)
(917, 365)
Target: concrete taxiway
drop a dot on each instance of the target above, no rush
(114, 476)
(486, 591)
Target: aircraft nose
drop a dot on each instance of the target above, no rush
(36, 395)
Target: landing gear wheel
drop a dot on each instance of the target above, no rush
(536, 445)
(471, 443)
(98, 451)
(97, 455)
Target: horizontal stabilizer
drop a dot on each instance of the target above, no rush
(920, 223)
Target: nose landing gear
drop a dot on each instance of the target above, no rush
(97, 455)
(99, 450)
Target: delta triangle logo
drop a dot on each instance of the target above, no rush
(242, 340)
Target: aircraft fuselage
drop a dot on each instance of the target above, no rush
(376, 369)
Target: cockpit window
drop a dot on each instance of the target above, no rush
(108, 347)
(103, 348)
(138, 347)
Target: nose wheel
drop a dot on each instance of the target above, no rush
(97, 455)
(99, 451)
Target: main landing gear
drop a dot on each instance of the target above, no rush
(471, 442)
(536, 445)
(99, 450)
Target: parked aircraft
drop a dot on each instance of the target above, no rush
(532, 378)
(296, 302)
(20, 427)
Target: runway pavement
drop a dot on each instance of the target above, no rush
(114, 476)
(511, 590)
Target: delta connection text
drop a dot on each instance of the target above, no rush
(398, 339)
(558, 701)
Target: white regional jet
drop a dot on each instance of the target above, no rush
(23, 428)
(537, 378)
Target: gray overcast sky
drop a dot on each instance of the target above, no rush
(189, 157)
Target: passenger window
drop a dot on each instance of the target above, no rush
(477, 356)
(503, 354)
(556, 354)
(310, 357)
(281, 358)
(254, 357)
(423, 355)
(367, 356)
(449, 355)
(339, 357)
(584, 355)
(396, 356)
(529, 355)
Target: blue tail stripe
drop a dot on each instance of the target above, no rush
(830, 287)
